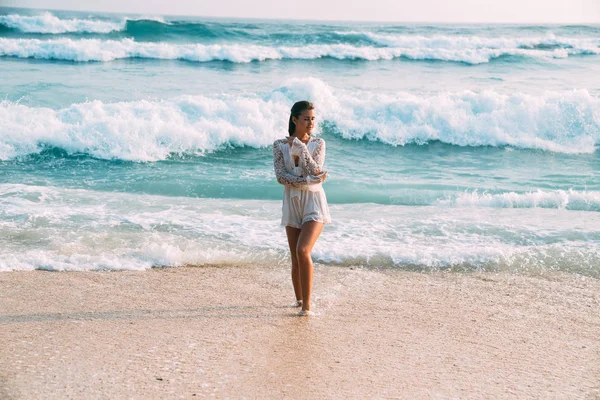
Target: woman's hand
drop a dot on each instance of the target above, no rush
(297, 147)
(315, 179)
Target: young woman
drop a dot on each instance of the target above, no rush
(298, 161)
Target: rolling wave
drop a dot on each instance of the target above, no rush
(452, 42)
(559, 199)
(144, 27)
(201, 41)
(152, 29)
(48, 23)
(85, 50)
(386, 35)
(144, 130)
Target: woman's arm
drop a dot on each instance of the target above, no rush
(311, 165)
(284, 177)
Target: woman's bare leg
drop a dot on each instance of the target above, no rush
(292, 235)
(308, 237)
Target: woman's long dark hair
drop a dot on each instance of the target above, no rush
(298, 108)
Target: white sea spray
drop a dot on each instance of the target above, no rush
(85, 50)
(150, 130)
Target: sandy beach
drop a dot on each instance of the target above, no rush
(228, 332)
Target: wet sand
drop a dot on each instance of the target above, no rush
(228, 332)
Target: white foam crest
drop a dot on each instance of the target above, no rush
(566, 122)
(560, 199)
(556, 121)
(142, 130)
(75, 229)
(145, 130)
(148, 18)
(84, 50)
(460, 42)
(48, 23)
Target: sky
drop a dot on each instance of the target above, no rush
(447, 11)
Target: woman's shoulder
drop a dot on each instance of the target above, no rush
(317, 140)
(278, 143)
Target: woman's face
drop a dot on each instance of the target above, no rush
(305, 122)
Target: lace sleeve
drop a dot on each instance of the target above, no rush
(312, 164)
(284, 177)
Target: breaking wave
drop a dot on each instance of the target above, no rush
(85, 50)
(150, 130)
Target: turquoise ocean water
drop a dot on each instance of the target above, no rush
(131, 141)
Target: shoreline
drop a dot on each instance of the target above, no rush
(228, 331)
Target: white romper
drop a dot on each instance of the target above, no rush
(303, 196)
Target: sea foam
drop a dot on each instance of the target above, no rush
(474, 42)
(76, 229)
(559, 199)
(48, 23)
(84, 50)
(150, 130)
